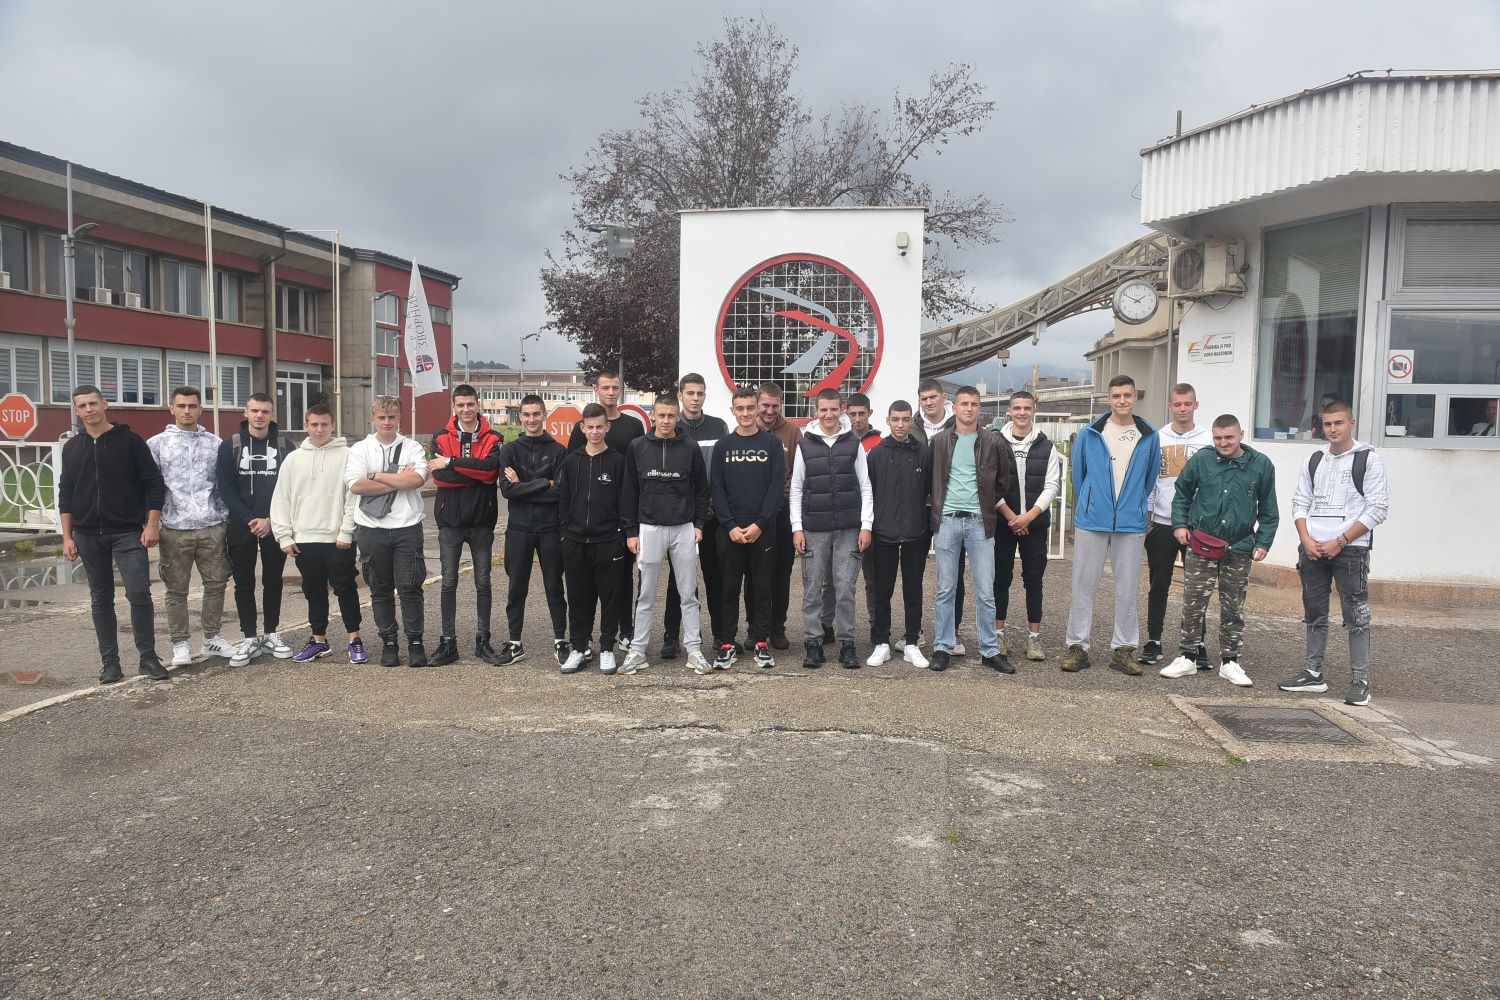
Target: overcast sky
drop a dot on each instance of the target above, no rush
(438, 129)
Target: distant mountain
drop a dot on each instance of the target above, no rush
(1015, 376)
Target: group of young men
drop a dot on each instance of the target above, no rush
(737, 502)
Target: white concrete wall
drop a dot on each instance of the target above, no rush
(720, 247)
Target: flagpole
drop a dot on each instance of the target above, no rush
(213, 333)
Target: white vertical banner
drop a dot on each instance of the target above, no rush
(421, 346)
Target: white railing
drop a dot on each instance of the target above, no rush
(28, 485)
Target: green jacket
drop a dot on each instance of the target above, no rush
(1230, 498)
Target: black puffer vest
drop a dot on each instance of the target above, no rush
(830, 487)
(1036, 476)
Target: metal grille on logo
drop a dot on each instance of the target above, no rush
(805, 322)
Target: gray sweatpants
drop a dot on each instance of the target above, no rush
(1126, 551)
(660, 542)
(835, 556)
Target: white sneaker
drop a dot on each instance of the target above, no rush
(958, 648)
(573, 663)
(217, 645)
(248, 649)
(1183, 666)
(607, 663)
(1232, 672)
(913, 655)
(634, 661)
(699, 662)
(623, 644)
(881, 655)
(271, 643)
(181, 655)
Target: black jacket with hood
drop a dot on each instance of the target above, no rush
(666, 482)
(247, 468)
(590, 496)
(901, 480)
(532, 499)
(109, 483)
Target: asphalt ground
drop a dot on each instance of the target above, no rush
(480, 831)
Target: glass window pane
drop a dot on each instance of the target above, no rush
(171, 286)
(130, 380)
(1409, 416)
(29, 373)
(1451, 253)
(138, 277)
(52, 266)
(1473, 417)
(85, 267)
(85, 367)
(13, 259)
(150, 382)
(1449, 347)
(1309, 323)
(192, 289)
(109, 378)
(5, 370)
(113, 276)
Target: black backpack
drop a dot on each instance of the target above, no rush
(1361, 462)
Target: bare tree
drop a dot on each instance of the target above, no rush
(739, 136)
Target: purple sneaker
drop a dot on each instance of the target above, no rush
(312, 651)
(357, 652)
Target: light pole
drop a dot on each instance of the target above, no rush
(619, 241)
(338, 360)
(374, 301)
(466, 360)
(521, 385)
(69, 250)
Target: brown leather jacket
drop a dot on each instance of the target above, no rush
(994, 474)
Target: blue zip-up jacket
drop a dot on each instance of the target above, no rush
(1094, 505)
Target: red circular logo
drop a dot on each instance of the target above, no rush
(805, 322)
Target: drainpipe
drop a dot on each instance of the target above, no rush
(268, 305)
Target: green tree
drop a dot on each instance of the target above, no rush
(738, 136)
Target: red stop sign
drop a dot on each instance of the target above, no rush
(17, 416)
(560, 423)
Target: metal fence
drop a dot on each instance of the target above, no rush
(28, 485)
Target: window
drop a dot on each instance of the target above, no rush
(385, 381)
(194, 370)
(441, 314)
(96, 265)
(296, 309)
(388, 310)
(182, 289)
(385, 341)
(21, 367)
(227, 290)
(1309, 323)
(125, 375)
(1453, 361)
(13, 259)
(296, 390)
(1451, 253)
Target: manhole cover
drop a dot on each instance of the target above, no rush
(1279, 725)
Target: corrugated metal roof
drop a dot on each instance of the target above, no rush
(1397, 124)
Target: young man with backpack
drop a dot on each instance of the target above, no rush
(465, 466)
(746, 474)
(1181, 439)
(590, 511)
(1224, 511)
(1341, 499)
(1115, 463)
(528, 482)
(249, 464)
(901, 488)
(1026, 518)
(312, 517)
(666, 505)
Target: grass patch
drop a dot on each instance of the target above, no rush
(1157, 761)
(953, 836)
(1234, 760)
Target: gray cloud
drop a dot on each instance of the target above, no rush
(438, 130)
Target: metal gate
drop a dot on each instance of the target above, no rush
(28, 485)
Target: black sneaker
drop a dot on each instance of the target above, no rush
(390, 654)
(828, 636)
(998, 662)
(152, 668)
(763, 657)
(848, 658)
(1359, 693)
(813, 658)
(513, 652)
(670, 647)
(484, 650)
(939, 660)
(1150, 653)
(779, 639)
(446, 652)
(416, 654)
(561, 648)
(727, 653)
(1305, 681)
(1204, 663)
(111, 673)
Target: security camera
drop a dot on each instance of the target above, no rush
(1004, 357)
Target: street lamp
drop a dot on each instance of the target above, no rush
(69, 250)
(619, 241)
(466, 360)
(529, 336)
(374, 301)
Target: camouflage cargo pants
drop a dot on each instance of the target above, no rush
(1233, 576)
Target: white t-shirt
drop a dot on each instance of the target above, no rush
(1176, 449)
(1121, 439)
(370, 456)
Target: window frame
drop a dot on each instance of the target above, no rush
(1456, 296)
(60, 393)
(308, 310)
(26, 261)
(10, 346)
(182, 264)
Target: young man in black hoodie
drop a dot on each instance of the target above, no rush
(901, 482)
(247, 467)
(110, 496)
(590, 489)
(465, 466)
(666, 505)
(706, 430)
(747, 473)
(528, 481)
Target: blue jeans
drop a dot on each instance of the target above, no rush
(957, 535)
